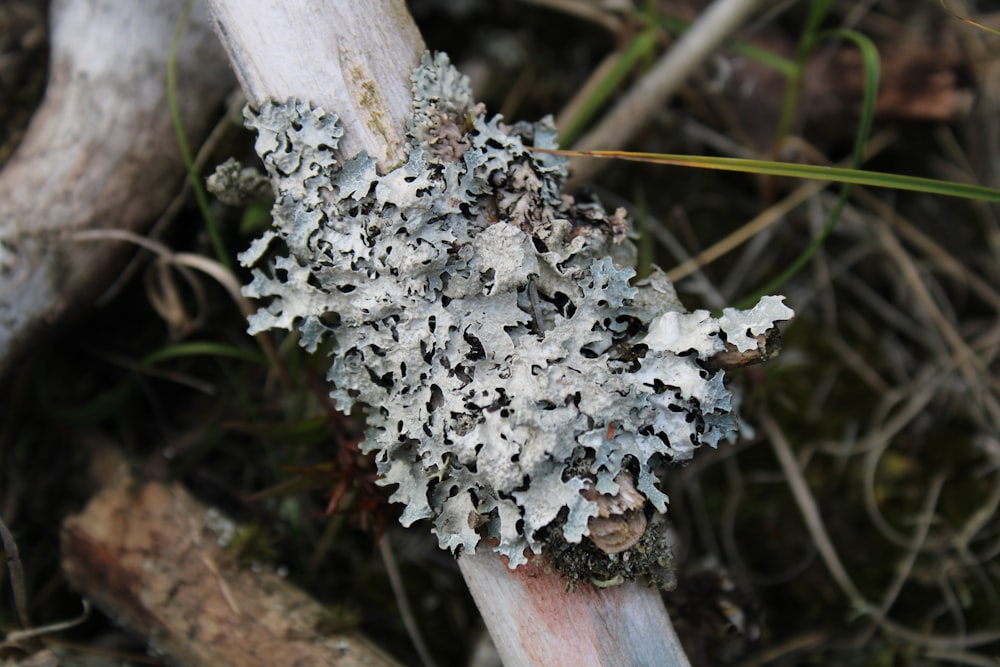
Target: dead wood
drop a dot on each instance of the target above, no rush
(147, 556)
(537, 619)
(100, 153)
(354, 59)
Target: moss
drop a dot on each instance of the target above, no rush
(583, 562)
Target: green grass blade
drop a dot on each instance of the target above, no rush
(790, 103)
(642, 46)
(805, 171)
(872, 67)
(104, 405)
(201, 349)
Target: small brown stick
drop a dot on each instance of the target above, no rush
(145, 556)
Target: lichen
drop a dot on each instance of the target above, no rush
(487, 321)
(236, 185)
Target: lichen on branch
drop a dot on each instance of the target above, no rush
(510, 367)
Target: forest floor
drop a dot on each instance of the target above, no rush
(868, 472)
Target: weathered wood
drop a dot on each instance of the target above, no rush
(147, 556)
(535, 620)
(100, 152)
(352, 58)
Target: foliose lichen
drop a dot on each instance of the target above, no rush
(489, 322)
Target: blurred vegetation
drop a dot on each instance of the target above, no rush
(855, 522)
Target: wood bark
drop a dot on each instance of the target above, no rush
(351, 58)
(100, 153)
(147, 557)
(531, 617)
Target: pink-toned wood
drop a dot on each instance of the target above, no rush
(535, 621)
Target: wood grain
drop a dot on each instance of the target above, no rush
(145, 554)
(351, 58)
(535, 621)
(100, 153)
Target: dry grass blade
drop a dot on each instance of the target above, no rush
(206, 265)
(769, 216)
(758, 224)
(974, 370)
(905, 567)
(962, 658)
(157, 229)
(409, 620)
(810, 511)
(788, 647)
(585, 10)
(879, 439)
(20, 636)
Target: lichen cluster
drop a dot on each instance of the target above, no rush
(506, 360)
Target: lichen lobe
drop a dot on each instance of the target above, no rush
(489, 322)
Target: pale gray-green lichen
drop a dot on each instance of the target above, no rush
(506, 360)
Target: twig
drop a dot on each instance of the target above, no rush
(409, 619)
(632, 113)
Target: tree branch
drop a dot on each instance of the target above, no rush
(352, 58)
(100, 152)
(150, 557)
